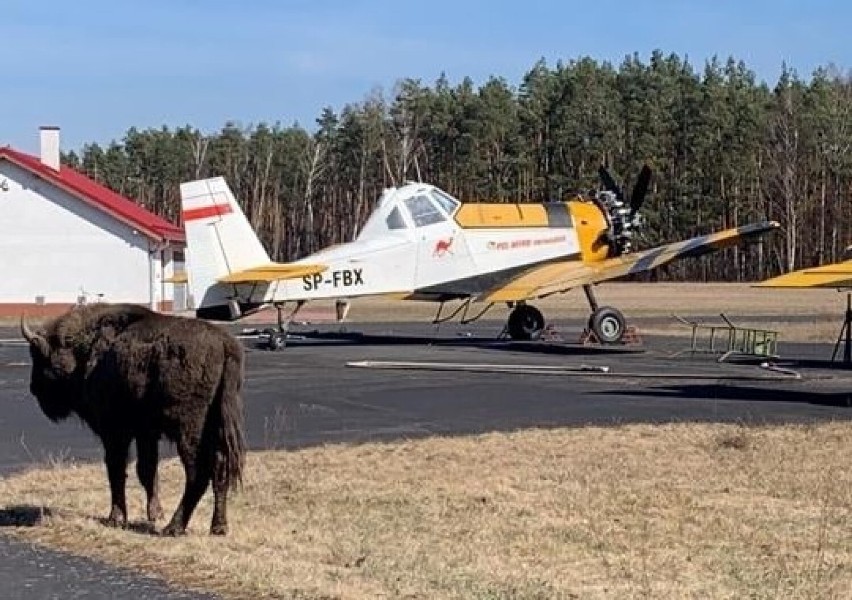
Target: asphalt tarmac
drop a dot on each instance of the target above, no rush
(415, 380)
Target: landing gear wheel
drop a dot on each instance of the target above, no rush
(608, 324)
(525, 322)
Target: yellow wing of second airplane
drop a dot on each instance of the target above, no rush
(836, 275)
(272, 272)
(564, 275)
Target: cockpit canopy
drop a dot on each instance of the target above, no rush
(415, 205)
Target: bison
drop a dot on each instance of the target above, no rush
(132, 374)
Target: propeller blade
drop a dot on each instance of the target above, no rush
(609, 183)
(640, 190)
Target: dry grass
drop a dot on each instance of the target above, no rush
(693, 301)
(690, 300)
(645, 299)
(677, 511)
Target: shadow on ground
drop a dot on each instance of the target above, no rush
(711, 391)
(344, 338)
(23, 515)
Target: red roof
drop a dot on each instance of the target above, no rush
(99, 196)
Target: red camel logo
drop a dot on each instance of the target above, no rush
(443, 247)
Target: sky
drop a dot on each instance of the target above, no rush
(96, 68)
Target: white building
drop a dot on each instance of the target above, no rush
(65, 240)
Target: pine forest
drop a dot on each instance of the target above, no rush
(726, 150)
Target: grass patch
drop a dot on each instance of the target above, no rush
(642, 299)
(674, 511)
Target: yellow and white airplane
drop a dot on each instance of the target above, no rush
(420, 243)
(836, 275)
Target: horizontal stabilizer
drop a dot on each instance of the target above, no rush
(178, 277)
(272, 272)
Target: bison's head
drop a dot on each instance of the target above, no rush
(53, 381)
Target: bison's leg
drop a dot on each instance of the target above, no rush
(219, 523)
(116, 449)
(198, 474)
(146, 468)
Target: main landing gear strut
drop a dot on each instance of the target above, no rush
(276, 338)
(607, 323)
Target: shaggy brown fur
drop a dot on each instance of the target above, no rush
(132, 374)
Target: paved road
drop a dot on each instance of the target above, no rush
(305, 394)
(30, 573)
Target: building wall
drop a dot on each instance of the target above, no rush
(57, 250)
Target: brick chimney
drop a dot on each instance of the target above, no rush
(49, 137)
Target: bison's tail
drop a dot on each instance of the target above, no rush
(231, 443)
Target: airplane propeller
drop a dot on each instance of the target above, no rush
(609, 183)
(640, 190)
(623, 219)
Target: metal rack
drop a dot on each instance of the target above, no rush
(731, 340)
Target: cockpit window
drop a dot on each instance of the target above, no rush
(447, 202)
(423, 211)
(395, 220)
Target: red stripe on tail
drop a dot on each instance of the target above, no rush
(203, 212)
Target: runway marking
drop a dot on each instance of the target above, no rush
(479, 367)
(579, 370)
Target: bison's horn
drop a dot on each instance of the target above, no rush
(26, 331)
(33, 338)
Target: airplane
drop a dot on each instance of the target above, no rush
(421, 243)
(835, 276)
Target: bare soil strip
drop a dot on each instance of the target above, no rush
(799, 315)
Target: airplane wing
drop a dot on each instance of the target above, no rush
(836, 275)
(564, 275)
(261, 274)
(272, 272)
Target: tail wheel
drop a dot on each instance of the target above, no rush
(525, 322)
(275, 340)
(278, 341)
(608, 324)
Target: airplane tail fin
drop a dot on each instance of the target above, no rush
(220, 241)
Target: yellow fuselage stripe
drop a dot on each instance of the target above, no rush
(476, 215)
(586, 217)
